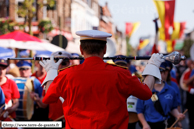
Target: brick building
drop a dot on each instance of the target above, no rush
(106, 21)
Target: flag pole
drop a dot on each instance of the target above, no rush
(154, 49)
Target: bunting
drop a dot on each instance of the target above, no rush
(166, 15)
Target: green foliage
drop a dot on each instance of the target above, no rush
(45, 26)
(28, 11)
(130, 50)
(187, 46)
(6, 26)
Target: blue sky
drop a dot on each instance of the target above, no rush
(144, 11)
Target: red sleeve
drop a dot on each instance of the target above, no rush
(174, 80)
(131, 85)
(15, 91)
(139, 89)
(186, 76)
(54, 91)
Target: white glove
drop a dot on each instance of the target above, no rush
(191, 91)
(156, 59)
(152, 68)
(51, 67)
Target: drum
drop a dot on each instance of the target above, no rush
(131, 107)
(131, 104)
(26, 104)
(182, 85)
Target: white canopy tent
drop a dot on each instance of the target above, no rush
(31, 45)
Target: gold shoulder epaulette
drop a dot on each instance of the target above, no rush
(119, 66)
(65, 68)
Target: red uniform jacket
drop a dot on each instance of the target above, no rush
(95, 94)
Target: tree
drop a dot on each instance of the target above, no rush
(27, 10)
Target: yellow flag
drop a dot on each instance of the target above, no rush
(176, 31)
(135, 27)
(169, 46)
(161, 34)
(143, 44)
(161, 10)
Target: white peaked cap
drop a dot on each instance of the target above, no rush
(93, 35)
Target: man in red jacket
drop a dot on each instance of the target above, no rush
(95, 92)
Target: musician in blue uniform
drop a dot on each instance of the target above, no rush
(26, 72)
(173, 84)
(153, 113)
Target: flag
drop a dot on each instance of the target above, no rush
(144, 47)
(154, 49)
(143, 43)
(170, 44)
(128, 28)
(178, 30)
(166, 15)
(182, 28)
(131, 28)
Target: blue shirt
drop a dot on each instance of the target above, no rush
(167, 97)
(173, 73)
(2, 98)
(176, 88)
(192, 73)
(132, 69)
(37, 86)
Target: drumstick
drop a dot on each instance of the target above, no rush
(178, 119)
(2, 106)
(59, 118)
(2, 113)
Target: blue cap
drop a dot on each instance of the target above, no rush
(93, 35)
(24, 53)
(74, 55)
(163, 66)
(119, 60)
(169, 65)
(23, 63)
(132, 69)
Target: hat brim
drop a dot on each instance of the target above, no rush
(25, 67)
(4, 64)
(162, 69)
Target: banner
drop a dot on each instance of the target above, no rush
(144, 48)
(166, 15)
(131, 28)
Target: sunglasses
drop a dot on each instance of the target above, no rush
(21, 69)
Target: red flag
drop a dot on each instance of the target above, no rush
(173, 44)
(129, 28)
(169, 16)
(154, 49)
(182, 28)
